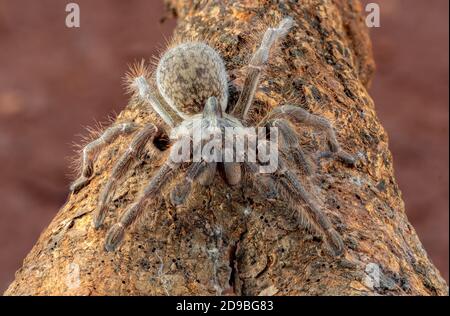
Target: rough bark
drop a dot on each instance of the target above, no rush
(230, 240)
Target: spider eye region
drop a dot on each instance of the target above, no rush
(212, 108)
(189, 74)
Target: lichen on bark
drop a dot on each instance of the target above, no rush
(230, 240)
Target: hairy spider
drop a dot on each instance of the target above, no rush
(192, 81)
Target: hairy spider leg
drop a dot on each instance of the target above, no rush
(117, 231)
(91, 151)
(290, 145)
(299, 115)
(147, 95)
(290, 184)
(258, 60)
(134, 150)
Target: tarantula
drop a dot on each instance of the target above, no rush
(192, 81)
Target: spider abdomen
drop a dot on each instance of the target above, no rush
(190, 73)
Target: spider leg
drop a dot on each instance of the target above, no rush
(212, 113)
(314, 215)
(116, 232)
(91, 151)
(266, 184)
(149, 132)
(232, 172)
(256, 64)
(208, 174)
(287, 183)
(290, 143)
(180, 192)
(146, 94)
(302, 116)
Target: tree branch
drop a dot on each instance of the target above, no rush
(230, 240)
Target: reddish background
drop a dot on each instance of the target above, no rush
(55, 80)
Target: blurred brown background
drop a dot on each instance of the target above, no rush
(55, 80)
